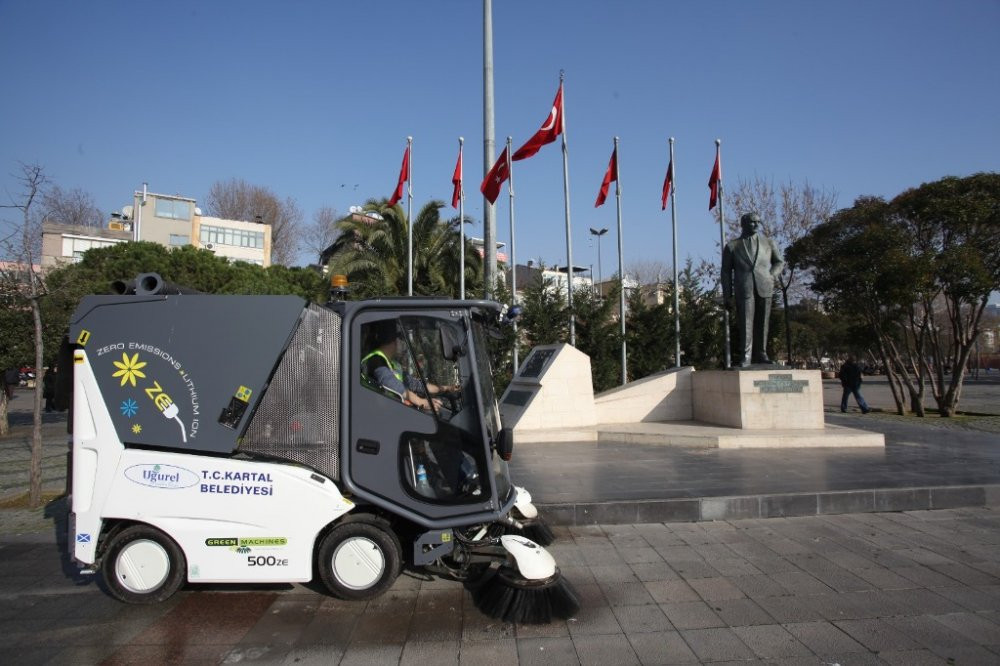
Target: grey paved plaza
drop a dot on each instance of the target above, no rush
(655, 541)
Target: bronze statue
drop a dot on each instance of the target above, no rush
(750, 265)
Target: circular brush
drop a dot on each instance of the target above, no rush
(508, 596)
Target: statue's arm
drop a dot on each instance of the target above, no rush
(727, 273)
(777, 261)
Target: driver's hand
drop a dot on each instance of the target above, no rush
(437, 403)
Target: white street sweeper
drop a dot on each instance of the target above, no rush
(248, 439)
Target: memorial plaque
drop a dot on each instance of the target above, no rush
(517, 398)
(780, 383)
(533, 366)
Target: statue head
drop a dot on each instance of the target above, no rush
(750, 223)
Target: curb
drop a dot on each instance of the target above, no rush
(700, 509)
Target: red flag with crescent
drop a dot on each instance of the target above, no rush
(667, 184)
(714, 180)
(610, 175)
(494, 179)
(551, 128)
(456, 180)
(404, 175)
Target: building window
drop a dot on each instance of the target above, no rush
(176, 240)
(234, 237)
(172, 209)
(74, 246)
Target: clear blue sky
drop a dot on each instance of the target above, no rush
(315, 99)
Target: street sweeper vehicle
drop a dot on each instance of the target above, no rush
(254, 439)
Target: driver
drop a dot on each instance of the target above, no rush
(382, 370)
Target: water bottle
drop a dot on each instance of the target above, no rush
(423, 486)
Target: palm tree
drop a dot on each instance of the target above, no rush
(372, 251)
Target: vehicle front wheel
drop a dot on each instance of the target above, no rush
(359, 560)
(142, 565)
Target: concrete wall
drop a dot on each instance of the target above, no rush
(665, 396)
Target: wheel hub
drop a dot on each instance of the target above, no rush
(142, 566)
(358, 563)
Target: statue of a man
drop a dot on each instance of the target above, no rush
(750, 265)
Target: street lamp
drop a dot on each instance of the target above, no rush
(599, 233)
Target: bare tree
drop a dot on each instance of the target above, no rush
(22, 279)
(74, 206)
(239, 200)
(650, 272)
(787, 214)
(320, 234)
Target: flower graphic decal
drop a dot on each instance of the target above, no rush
(129, 407)
(137, 428)
(129, 368)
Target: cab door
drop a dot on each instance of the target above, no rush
(428, 464)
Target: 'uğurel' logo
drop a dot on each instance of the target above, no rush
(161, 476)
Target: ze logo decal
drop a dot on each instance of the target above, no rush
(161, 476)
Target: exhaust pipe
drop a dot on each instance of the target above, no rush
(149, 284)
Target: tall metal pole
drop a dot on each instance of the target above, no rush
(489, 226)
(677, 299)
(722, 247)
(621, 260)
(461, 220)
(513, 256)
(569, 235)
(409, 216)
(600, 272)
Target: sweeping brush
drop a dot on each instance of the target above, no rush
(535, 529)
(508, 596)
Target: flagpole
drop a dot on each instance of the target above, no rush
(513, 259)
(722, 247)
(409, 216)
(489, 214)
(569, 242)
(621, 261)
(673, 221)
(461, 220)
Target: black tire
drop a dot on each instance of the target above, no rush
(359, 560)
(142, 565)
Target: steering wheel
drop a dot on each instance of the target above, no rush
(450, 401)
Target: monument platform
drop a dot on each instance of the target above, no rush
(695, 434)
(763, 406)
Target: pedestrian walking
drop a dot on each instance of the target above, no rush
(850, 380)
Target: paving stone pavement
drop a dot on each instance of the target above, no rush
(871, 588)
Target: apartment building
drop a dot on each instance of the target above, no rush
(174, 221)
(166, 219)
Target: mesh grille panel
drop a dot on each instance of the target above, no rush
(297, 417)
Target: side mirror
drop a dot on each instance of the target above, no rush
(451, 346)
(505, 443)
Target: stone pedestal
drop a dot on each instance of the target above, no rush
(759, 399)
(552, 390)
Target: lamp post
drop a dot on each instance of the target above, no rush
(599, 233)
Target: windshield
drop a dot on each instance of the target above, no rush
(491, 413)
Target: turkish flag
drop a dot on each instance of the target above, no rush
(404, 176)
(714, 180)
(667, 183)
(456, 180)
(551, 128)
(610, 175)
(495, 178)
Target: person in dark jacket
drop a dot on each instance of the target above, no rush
(49, 388)
(850, 379)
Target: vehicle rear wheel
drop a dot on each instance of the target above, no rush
(142, 565)
(359, 560)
